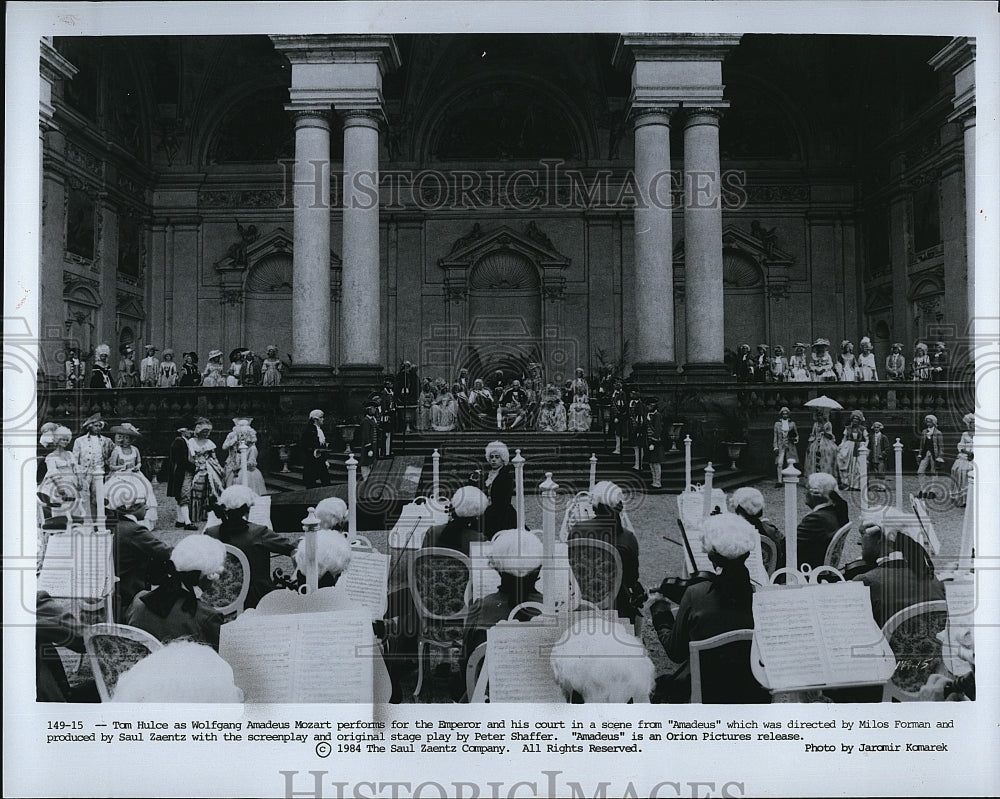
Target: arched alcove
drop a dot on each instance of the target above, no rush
(744, 297)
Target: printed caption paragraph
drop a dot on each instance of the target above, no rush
(522, 736)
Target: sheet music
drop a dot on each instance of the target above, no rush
(260, 511)
(517, 655)
(958, 638)
(77, 566)
(309, 657)
(820, 635)
(691, 504)
(367, 580)
(755, 562)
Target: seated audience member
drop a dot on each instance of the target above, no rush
(608, 501)
(173, 609)
(140, 557)
(710, 608)
(827, 514)
(332, 514)
(56, 625)
(902, 573)
(332, 554)
(595, 660)
(517, 557)
(183, 671)
(467, 508)
(253, 540)
(748, 503)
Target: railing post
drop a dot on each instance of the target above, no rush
(593, 471)
(863, 474)
(967, 549)
(790, 476)
(898, 449)
(352, 496)
(98, 478)
(436, 485)
(707, 507)
(687, 463)
(310, 524)
(244, 477)
(518, 462)
(548, 489)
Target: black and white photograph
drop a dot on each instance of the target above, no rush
(386, 381)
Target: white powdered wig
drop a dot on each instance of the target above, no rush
(602, 661)
(728, 535)
(498, 446)
(333, 553)
(469, 502)
(822, 483)
(516, 552)
(200, 553)
(331, 512)
(182, 671)
(750, 499)
(236, 497)
(607, 493)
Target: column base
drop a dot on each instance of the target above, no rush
(650, 374)
(707, 373)
(309, 374)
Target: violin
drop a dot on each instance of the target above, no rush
(674, 588)
(856, 567)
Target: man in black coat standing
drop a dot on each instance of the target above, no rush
(312, 442)
(178, 465)
(369, 434)
(407, 389)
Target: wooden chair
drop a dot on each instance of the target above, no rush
(228, 594)
(473, 669)
(536, 606)
(597, 568)
(113, 649)
(731, 652)
(769, 554)
(912, 635)
(362, 541)
(438, 580)
(835, 551)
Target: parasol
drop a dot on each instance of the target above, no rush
(824, 402)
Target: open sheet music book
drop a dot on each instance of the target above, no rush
(303, 657)
(958, 635)
(691, 504)
(518, 655)
(367, 580)
(78, 566)
(820, 636)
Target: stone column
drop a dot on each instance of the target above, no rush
(703, 245)
(311, 230)
(654, 269)
(361, 307)
(959, 58)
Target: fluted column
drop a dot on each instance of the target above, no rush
(311, 226)
(703, 243)
(361, 307)
(654, 269)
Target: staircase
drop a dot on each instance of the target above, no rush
(566, 455)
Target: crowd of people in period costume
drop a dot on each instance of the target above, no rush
(162, 588)
(159, 369)
(805, 363)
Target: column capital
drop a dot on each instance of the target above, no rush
(361, 118)
(652, 115)
(306, 117)
(703, 115)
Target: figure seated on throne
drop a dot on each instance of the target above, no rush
(512, 410)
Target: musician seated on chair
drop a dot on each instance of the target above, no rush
(902, 572)
(468, 505)
(138, 554)
(56, 625)
(597, 660)
(748, 503)
(608, 501)
(517, 557)
(183, 671)
(707, 609)
(827, 514)
(174, 608)
(255, 541)
(332, 514)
